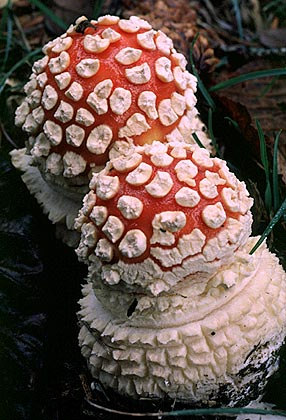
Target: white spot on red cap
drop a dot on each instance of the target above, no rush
(139, 74)
(128, 55)
(130, 207)
(59, 63)
(120, 100)
(187, 197)
(87, 67)
(214, 215)
(146, 40)
(75, 135)
(74, 92)
(163, 69)
(161, 185)
(95, 44)
(133, 244)
(99, 139)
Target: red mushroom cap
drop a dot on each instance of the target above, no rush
(163, 214)
(104, 81)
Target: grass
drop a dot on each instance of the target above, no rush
(194, 412)
(7, 18)
(20, 63)
(248, 76)
(238, 18)
(201, 86)
(97, 8)
(50, 14)
(211, 133)
(270, 226)
(275, 8)
(275, 180)
(264, 160)
(197, 140)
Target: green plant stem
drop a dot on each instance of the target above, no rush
(264, 160)
(210, 127)
(23, 35)
(16, 66)
(193, 412)
(234, 123)
(201, 86)
(97, 8)
(267, 88)
(198, 141)
(271, 225)
(248, 76)
(47, 11)
(238, 18)
(275, 172)
(9, 36)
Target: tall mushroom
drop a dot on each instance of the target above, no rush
(104, 85)
(174, 305)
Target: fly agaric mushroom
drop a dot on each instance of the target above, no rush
(175, 306)
(110, 82)
(162, 216)
(213, 343)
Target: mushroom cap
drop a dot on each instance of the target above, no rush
(104, 82)
(209, 343)
(166, 213)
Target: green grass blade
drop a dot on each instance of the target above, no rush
(201, 86)
(268, 87)
(238, 18)
(276, 198)
(220, 411)
(234, 123)
(97, 9)
(210, 129)
(16, 66)
(271, 225)
(9, 37)
(270, 5)
(4, 17)
(248, 76)
(198, 141)
(48, 12)
(264, 160)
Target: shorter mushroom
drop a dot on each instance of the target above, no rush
(161, 217)
(101, 87)
(174, 305)
(214, 343)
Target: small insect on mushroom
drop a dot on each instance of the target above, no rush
(175, 306)
(105, 84)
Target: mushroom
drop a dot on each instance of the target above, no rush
(101, 87)
(215, 343)
(162, 216)
(174, 305)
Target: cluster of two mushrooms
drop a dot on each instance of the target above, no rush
(164, 227)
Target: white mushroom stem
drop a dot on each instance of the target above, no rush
(60, 206)
(209, 342)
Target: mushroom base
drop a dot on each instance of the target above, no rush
(220, 350)
(59, 204)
